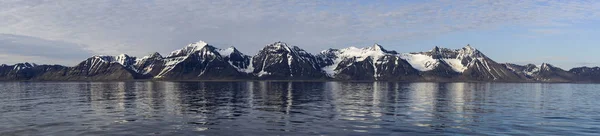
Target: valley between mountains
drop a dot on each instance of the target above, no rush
(280, 61)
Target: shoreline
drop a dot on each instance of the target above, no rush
(258, 80)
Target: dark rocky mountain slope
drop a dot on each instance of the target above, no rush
(280, 61)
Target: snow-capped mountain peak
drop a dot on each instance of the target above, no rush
(376, 47)
(154, 55)
(546, 67)
(104, 58)
(469, 47)
(277, 47)
(469, 51)
(200, 44)
(190, 48)
(228, 51)
(435, 49)
(26, 65)
(125, 59)
(375, 52)
(335, 57)
(459, 60)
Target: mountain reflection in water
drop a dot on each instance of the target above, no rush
(301, 108)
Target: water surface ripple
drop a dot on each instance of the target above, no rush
(298, 108)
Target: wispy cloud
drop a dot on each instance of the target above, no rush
(138, 27)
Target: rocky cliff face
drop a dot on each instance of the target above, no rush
(466, 63)
(200, 61)
(586, 74)
(20, 71)
(371, 63)
(543, 73)
(280, 61)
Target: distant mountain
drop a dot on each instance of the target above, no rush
(280, 61)
(466, 63)
(543, 73)
(200, 61)
(586, 74)
(371, 63)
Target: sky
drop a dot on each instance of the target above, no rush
(560, 32)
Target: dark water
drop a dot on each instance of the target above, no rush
(297, 108)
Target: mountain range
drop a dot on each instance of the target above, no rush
(280, 61)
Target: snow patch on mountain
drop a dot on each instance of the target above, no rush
(425, 61)
(361, 54)
(170, 63)
(420, 62)
(226, 52)
(456, 65)
(21, 66)
(250, 67)
(122, 59)
(374, 52)
(330, 70)
(191, 48)
(532, 72)
(262, 73)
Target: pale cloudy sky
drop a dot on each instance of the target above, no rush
(560, 32)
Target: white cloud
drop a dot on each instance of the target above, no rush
(138, 27)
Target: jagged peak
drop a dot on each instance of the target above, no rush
(26, 64)
(376, 51)
(199, 44)
(123, 56)
(469, 47)
(469, 51)
(546, 66)
(377, 47)
(278, 46)
(282, 46)
(190, 48)
(228, 51)
(105, 58)
(435, 49)
(122, 59)
(154, 55)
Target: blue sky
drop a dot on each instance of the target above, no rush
(66, 32)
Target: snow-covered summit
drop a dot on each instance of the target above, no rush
(122, 59)
(190, 48)
(281, 59)
(458, 59)
(549, 67)
(26, 65)
(153, 55)
(360, 54)
(332, 59)
(229, 51)
(277, 47)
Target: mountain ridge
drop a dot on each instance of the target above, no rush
(281, 61)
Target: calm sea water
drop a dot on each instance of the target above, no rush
(298, 108)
